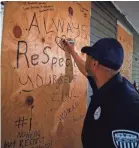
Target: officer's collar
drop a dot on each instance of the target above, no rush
(106, 88)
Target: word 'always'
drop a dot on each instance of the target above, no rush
(59, 26)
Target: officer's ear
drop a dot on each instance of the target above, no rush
(95, 64)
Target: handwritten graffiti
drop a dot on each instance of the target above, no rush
(58, 41)
(41, 6)
(10, 144)
(27, 82)
(21, 122)
(23, 143)
(24, 121)
(83, 10)
(42, 69)
(34, 24)
(31, 142)
(46, 81)
(35, 59)
(58, 25)
(67, 111)
(47, 8)
(26, 139)
(59, 97)
(28, 135)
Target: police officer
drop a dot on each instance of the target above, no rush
(112, 119)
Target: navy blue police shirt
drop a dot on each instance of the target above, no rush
(112, 119)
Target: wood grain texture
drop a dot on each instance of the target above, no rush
(126, 40)
(33, 64)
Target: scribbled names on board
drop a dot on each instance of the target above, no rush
(31, 139)
(41, 6)
(38, 64)
(35, 59)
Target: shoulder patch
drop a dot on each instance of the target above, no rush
(125, 139)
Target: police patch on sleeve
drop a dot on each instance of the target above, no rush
(125, 139)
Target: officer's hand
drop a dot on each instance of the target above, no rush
(69, 47)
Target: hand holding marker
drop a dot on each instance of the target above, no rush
(69, 40)
(68, 44)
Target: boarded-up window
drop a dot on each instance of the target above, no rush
(43, 92)
(126, 39)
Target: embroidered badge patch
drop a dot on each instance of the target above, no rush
(125, 139)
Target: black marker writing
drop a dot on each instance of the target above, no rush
(61, 24)
(32, 23)
(69, 28)
(34, 59)
(21, 122)
(10, 144)
(47, 56)
(39, 79)
(28, 79)
(77, 28)
(19, 53)
(45, 27)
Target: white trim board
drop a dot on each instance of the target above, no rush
(118, 22)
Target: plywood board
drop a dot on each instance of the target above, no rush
(126, 39)
(43, 92)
